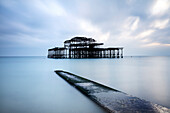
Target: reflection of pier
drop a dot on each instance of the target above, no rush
(82, 47)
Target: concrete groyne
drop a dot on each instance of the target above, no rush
(111, 99)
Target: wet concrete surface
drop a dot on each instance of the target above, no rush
(110, 99)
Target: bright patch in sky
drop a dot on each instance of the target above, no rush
(160, 7)
(160, 24)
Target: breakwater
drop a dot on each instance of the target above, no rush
(111, 99)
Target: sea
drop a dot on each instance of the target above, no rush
(30, 85)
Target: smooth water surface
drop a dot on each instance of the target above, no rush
(29, 84)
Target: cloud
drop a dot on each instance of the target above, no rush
(145, 33)
(131, 23)
(94, 31)
(160, 24)
(155, 44)
(45, 23)
(160, 7)
(50, 7)
(24, 40)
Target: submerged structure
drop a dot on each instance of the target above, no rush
(82, 47)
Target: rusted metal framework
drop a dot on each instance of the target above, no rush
(82, 47)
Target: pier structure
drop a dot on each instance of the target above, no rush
(82, 47)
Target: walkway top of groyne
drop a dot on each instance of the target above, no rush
(111, 99)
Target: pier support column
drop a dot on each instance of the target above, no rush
(118, 53)
(110, 53)
(69, 53)
(104, 54)
(54, 53)
(113, 53)
(121, 53)
(74, 53)
(65, 53)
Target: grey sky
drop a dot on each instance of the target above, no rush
(30, 27)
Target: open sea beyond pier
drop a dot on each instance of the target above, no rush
(30, 85)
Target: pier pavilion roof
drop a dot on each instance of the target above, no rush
(56, 48)
(80, 39)
(85, 44)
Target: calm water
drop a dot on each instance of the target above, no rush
(29, 84)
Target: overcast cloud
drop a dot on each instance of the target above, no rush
(30, 27)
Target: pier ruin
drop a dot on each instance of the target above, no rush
(82, 47)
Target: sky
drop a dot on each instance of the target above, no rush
(31, 27)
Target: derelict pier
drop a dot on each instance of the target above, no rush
(82, 47)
